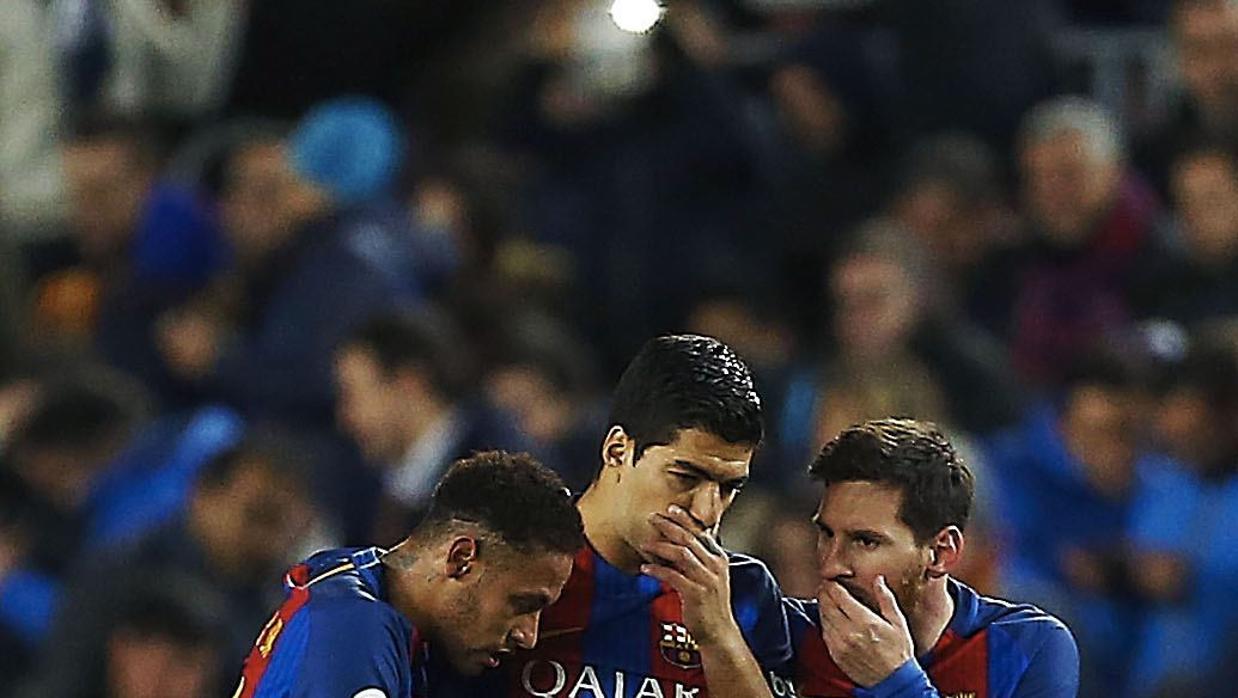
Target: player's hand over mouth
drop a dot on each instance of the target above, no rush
(696, 567)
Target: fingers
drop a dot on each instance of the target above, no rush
(849, 604)
(674, 555)
(832, 615)
(669, 577)
(702, 546)
(707, 537)
(888, 603)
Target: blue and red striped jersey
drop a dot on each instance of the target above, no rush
(990, 649)
(618, 635)
(336, 636)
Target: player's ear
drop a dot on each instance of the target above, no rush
(615, 447)
(461, 555)
(945, 551)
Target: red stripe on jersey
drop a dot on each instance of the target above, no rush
(960, 666)
(817, 676)
(260, 656)
(561, 631)
(675, 654)
(957, 666)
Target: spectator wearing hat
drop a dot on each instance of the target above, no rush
(316, 253)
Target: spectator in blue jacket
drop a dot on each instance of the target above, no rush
(316, 255)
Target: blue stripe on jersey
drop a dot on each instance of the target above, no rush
(746, 614)
(280, 678)
(617, 638)
(1007, 662)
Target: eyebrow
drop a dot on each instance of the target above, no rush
(706, 475)
(816, 521)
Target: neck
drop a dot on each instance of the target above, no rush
(602, 530)
(932, 617)
(407, 584)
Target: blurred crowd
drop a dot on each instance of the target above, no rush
(268, 267)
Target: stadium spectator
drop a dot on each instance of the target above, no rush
(1183, 535)
(1197, 279)
(61, 441)
(315, 258)
(1067, 479)
(135, 245)
(885, 323)
(949, 193)
(400, 379)
(240, 529)
(166, 641)
(1091, 221)
(545, 379)
(1205, 41)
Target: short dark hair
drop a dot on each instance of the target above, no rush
(912, 456)
(175, 607)
(963, 163)
(403, 338)
(78, 414)
(512, 495)
(687, 382)
(273, 450)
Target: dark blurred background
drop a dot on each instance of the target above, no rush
(269, 266)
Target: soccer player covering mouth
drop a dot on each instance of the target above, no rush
(655, 608)
(889, 621)
(469, 585)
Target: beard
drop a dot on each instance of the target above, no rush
(908, 591)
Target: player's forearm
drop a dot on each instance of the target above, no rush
(731, 670)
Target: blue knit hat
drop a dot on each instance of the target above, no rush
(352, 147)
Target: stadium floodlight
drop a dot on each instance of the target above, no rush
(636, 16)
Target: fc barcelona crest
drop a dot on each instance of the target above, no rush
(678, 647)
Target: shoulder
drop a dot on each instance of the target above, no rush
(1028, 627)
(753, 587)
(748, 570)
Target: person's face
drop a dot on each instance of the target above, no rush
(1100, 428)
(860, 537)
(253, 204)
(1188, 428)
(496, 607)
(545, 412)
(697, 471)
(368, 405)
(1206, 189)
(107, 184)
(875, 306)
(254, 519)
(152, 667)
(1066, 187)
(1206, 36)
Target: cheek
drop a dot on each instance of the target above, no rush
(891, 563)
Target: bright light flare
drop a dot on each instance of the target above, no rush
(636, 16)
